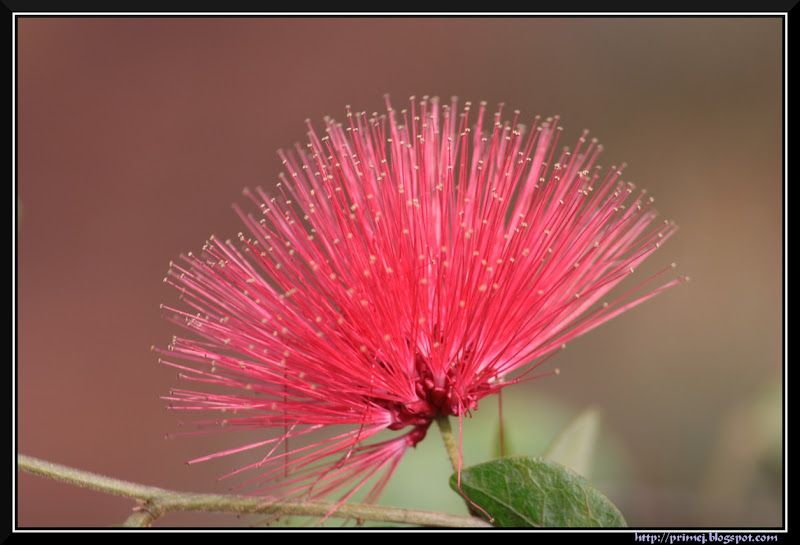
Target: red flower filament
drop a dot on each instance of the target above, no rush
(409, 265)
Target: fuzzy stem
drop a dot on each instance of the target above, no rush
(449, 439)
(155, 502)
(502, 427)
(142, 516)
(451, 445)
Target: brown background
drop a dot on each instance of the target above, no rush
(136, 134)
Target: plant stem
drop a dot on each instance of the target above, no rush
(451, 445)
(155, 502)
(142, 516)
(449, 439)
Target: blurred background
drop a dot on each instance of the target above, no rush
(136, 134)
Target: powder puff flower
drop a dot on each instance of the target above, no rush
(407, 265)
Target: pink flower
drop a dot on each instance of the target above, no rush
(409, 265)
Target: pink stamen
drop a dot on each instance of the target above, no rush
(406, 266)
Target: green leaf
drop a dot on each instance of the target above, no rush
(575, 446)
(523, 491)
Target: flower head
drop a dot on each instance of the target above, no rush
(407, 266)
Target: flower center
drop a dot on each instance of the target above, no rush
(434, 397)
